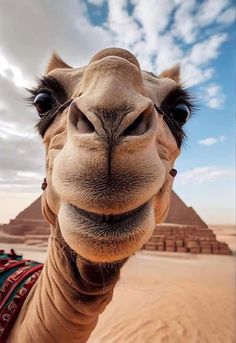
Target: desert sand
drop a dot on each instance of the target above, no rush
(169, 298)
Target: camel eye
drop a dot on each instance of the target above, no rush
(180, 113)
(43, 103)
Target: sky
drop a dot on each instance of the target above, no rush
(200, 34)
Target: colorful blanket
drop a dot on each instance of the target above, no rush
(17, 277)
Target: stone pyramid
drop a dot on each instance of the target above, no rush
(179, 213)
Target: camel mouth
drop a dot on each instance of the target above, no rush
(106, 238)
(112, 218)
(118, 227)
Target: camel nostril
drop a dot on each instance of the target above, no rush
(84, 125)
(139, 126)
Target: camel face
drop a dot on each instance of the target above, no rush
(109, 152)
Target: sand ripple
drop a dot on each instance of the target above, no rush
(171, 300)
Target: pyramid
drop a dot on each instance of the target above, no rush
(179, 213)
(32, 212)
(28, 222)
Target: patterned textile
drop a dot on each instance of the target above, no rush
(17, 277)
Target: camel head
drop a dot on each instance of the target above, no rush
(112, 134)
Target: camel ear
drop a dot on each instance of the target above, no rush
(56, 62)
(172, 73)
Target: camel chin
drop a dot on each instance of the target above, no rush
(103, 238)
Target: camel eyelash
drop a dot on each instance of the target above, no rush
(58, 94)
(50, 85)
(177, 96)
(34, 92)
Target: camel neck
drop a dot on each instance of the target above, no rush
(66, 301)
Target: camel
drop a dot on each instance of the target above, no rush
(111, 134)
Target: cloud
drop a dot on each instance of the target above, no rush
(205, 174)
(196, 64)
(21, 149)
(210, 10)
(207, 50)
(213, 96)
(211, 140)
(184, 26)
(192, 16)
(156, 31)
(193, 75)
(12, 73)
(30, 31)
(162, 33)
(14, 113)
(124, 28)
(227, 17)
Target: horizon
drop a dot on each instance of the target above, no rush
(160, 34)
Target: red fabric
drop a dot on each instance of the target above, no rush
(15, 289)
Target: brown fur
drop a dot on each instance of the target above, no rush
(172, 73)
(108, 158)
(56, 62)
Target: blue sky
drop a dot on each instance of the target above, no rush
(215, 197)
(199, 34)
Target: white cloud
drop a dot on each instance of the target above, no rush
(192, 16)
(205, 174)
(208, 141)
(123, 27)
(30, 31)
(211, 140)
(196, 64)
(210, 10)
(213, 96)
(159, 41)
(190, 23)
(184, 26)
(214, 103)
(169, 53)
(207, 50)
(12, 72)
(227, 17)
(21, 149)
(193, 75)
(147, 12)
(149, 32)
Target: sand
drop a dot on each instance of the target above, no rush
(169, 298)
(173, 298)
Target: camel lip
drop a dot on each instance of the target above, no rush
(108, 219)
